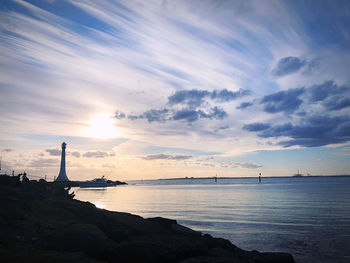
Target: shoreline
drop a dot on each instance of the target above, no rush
(249, 177)
(41, 221)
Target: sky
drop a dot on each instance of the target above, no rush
(164, 89)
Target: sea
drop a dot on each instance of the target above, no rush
(308, 217)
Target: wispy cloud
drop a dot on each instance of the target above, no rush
(176, 73)
(162, 156)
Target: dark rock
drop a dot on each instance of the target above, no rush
(29, 254)
(163, 221)
(39, 222)
(85, 238)
(159, 249)
(179, 229)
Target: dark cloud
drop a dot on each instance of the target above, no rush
(337, 103)
(163, 156)
(215, 113)
(76, 154)
(156, 115)
(119, 115)
(332, 96)
(190, 97)
(187, 114)
(244, 105)
(329, 94)
(7, 150)
(195, 98)
(152, 115)
(288, 65)
(53, 152)
(191, 115)
(257, 126)
(323, 91)
(315, 130)
(96, 154)
(135, 117)
(283, 101)
(227, 95)
(277, 131)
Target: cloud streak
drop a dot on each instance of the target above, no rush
(163, 156)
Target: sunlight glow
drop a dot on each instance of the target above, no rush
(101, 126)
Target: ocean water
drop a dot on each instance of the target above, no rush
(308, 216)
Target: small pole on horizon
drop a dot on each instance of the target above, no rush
(259, 178)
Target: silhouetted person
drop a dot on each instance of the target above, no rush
(25, 178)
(13, 173)
(259, 177)
(18, 181)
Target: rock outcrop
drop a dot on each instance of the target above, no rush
(40, 222)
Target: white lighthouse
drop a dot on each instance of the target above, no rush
(62, 176)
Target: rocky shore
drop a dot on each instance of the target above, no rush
(41, 222)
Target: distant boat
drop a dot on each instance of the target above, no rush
(97, 182)
(298, 174)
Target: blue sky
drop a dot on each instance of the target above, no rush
(175, 88)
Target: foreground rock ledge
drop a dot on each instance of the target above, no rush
(40, 222)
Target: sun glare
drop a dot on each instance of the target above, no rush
(101, 126)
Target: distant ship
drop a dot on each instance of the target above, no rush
(298, 174)
(97, 182)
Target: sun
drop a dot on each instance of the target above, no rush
(101, 126)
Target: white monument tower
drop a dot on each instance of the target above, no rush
(62, 176)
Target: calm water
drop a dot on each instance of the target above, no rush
(308, 217)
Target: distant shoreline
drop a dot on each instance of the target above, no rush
(250, 177)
